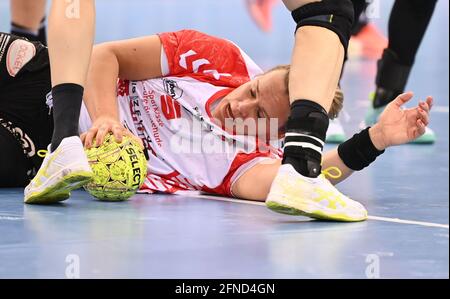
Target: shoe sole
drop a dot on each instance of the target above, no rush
(424, 140)
(284, 209)
(60, 191)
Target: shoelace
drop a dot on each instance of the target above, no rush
(42, 153)
(328, 173)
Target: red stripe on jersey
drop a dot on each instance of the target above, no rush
(240, 160)
(217, 96)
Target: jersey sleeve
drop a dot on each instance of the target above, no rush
(206, 58)
(241, 163)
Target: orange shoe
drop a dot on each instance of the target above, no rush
(368, 43)
(261, 13)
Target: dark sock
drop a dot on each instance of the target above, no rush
(19, 30)
(408, 23)
(305, 137)
(67, 99)
(42, 34)
(391, 80)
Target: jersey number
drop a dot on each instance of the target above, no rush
(170, 108)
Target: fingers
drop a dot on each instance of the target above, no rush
(134, 137)
(430, 102)
(424, 110)
(427, 105)
(83, 137)
(118, 132)
(101, 133)
(424, 106)
(89, 137)
(403, 99)
(424, 116)
(101, 128)
(420, 129)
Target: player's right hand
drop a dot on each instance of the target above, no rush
(100, 128)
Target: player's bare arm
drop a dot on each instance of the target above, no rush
(134, 59)
(396, 126)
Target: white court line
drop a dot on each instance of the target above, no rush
(376, 218)
(436, 109)
(440, 109)
(396, 220)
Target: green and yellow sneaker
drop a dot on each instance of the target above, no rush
(293, 194)
(62, 171)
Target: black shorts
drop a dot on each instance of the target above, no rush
(26, 125)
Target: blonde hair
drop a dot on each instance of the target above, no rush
(338, 101)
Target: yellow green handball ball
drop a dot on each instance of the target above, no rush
(119, 169)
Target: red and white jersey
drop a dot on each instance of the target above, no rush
(172, 116)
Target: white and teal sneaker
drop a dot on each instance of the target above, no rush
(335, 133)
(429, 137)
(293, 194)
(62, 171)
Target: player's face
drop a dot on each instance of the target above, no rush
(265, 97)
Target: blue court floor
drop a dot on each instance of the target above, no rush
(159, 236)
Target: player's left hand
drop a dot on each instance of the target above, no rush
(398, 125)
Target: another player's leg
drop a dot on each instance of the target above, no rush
(261, 12)
(367, 40)
(28, 19)
(335, 133)
(71, 33)
(321, 40)
(407, 26)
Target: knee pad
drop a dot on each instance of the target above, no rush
(335, 15)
